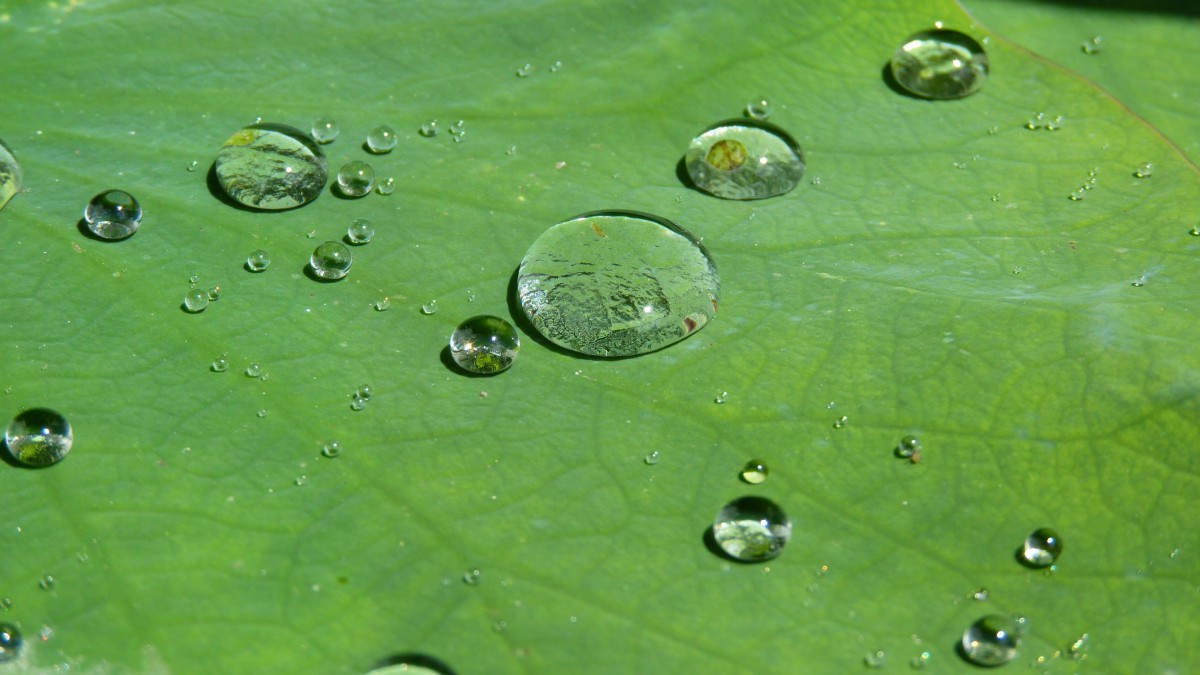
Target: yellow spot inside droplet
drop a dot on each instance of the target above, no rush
(727, 155)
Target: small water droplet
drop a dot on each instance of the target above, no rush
(991, 641)
(10, 642)
(262, 412)
(908, 446)
(651, 458)
(472, 577)
(194, 279)
(744, 159)
(220, 364)
(1036, 122)
(940, 64)
(760, 108)
(38, 437)
(301, 481)
(993, 130)
(356, 179)
(1055, 124)
(331, 260)
(46, 633)
(46, 583)
(193, 164)
(1144, 170)
(721, 398)
(364, 392)
(271, 167)
(113, 215)
(841, 422)
(360, 232)
(1078, 649)
(755, 472)
(6, 603)
(996, 197)
(752, 529)
(470, 296)
(381, 139)
(430, 307)
(1093, 46)
(254, 370)
(1139, 282)
(383, 304)
(195, 300)
(512, 150)
(1195, 231)
(258, 261)
(876, 659)
(429, 129)
(525, 70)
(1078, 195)
(358, 404)
(331, 449)
(981, 594)
(500, 626)
(556, 66)
(1042, 547)
(325, 130)
(484, 345)
(312, 233)
(921, 660)
(386, 186)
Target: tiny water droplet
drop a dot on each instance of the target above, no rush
(500, 626)
(254, 370)
(38, 437)
(744, 159)
(220, 364)
(721, 398)
(331, 260)
(430, 307)
(356, 178)
(556, 66)
(755, 472)
(10, 642)
(113, 215)
(470, 296)
(484, 345)
(331, 449)
(192, 165)
(996, 197)
(1036, 122)
(752, 529)
(921, 660)
(364, 392)
(386, 186)
(651, 458)
(1078, 195)
(46, 633)
(991, 641)
(472, 577)
(1042, 547)
(1078, 649)
(194, 279)
(301, 481)
(360, 232)
(358, 404)
(841, 422)
(1144, 170)
(1093, 46)
(1055, 124)
(429, 129)
(383, 304)
(265, 376)
(1195, 231)
(908, 446)
(381, 139)
(759, 109)
(262, 412)
(981, 594)
(525, 70)
(940, 64)
(6, 603)
(258, 261)
(46, 583)
(312, 234)
(876, 659)
(512, 150)
(325, 130)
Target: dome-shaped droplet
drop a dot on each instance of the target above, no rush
(940, 64)
(38, 437)
(381, 139)
(755, 472)
(361, 231)
(1042, 547)
(10, 175)
(484, 344)
(325, 130)
(752, 529)
(271, 167)
(744, 159)
(258, 261)
(113, 214)
(617, 283)
(195, 300)
(331, 260)
(991, 641)
(10, 642)
(355, 179)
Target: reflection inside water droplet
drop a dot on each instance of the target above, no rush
(940, 64)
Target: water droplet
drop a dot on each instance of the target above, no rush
(651, 458)
(752, 529)
(841, 422)
(325, 129)
(744, 159)
(195, 300)
(10, 175)
(500, 626)
(46, 583)
(525, 70)
(1139, 282)
(271, 167)
(381, 139)
(214, 293)
(358, 404)
(512, 150)
(1093, 46)
(383, 304)
(472, 577)
(1078, 195)
(470, 296)
(254, 370)
(908, 446)
(192, 165)
(991, 641)
(1042, 547)
(556, 66)
(1078, 649)
(194, 279)
(876, 659)
(1144, 170)
(364, 391)
(386, 186)
(484, 344)
(331, 260)
(759, 109)
(258, 261)
(113, 214)
(312, 234)
(1195, 231)
(301, 480)
(993, 130)
(721, 398)
(429, 307)
(940, 64)
(981, 594)
(10, 642)
(38, 437)
(220, 364)
(1055, 124)
(356, 179)
(617, 283)
(331, 449)
(429, 129)
(755, 472)
(996, 197)
(6, 603)
(1036, 122)
(360, 232)
(262, 412)
(921, 660)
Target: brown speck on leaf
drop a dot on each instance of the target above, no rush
(598, 230)
(1072, 245)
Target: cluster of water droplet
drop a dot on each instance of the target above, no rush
(1043, 121)
(361, 396)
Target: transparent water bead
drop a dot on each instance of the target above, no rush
(386, 186)
(430, 307)
(254, 370)
(429, 129)
(10, 642)
(271, 167)
(940, 64)
(484, 344)
(325, 130)
(651, 459)
(331, 449)
(1093, 46)
(759, 109)
(10, 174)
(1144, 170)
(195, 300)
(991, 641)
(331, 260)
(355, 179)
(38, 437)
(381, 139)
(220, 364)
(744, 159)
(755, 472)
(360, 232)
(752, 529)
(617, 283)
(908, 447)
(258, 261)
(113, 214)
(1042, 547)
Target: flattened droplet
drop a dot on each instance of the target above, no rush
(271, 167)
(940, 64)
(744, 159)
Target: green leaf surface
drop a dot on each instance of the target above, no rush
(930, 276)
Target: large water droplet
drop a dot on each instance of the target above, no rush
(325, 129)
(258, 261)
(38, 437)
(940, 64)
(271, 167)
(484, 344)
(991, 641)
(331, 260)
(113, 214)
(10, 175)
(752, 529)
(10, 642)
(1042, 547)
(617, 283)
(744, 159)
(381, 139)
